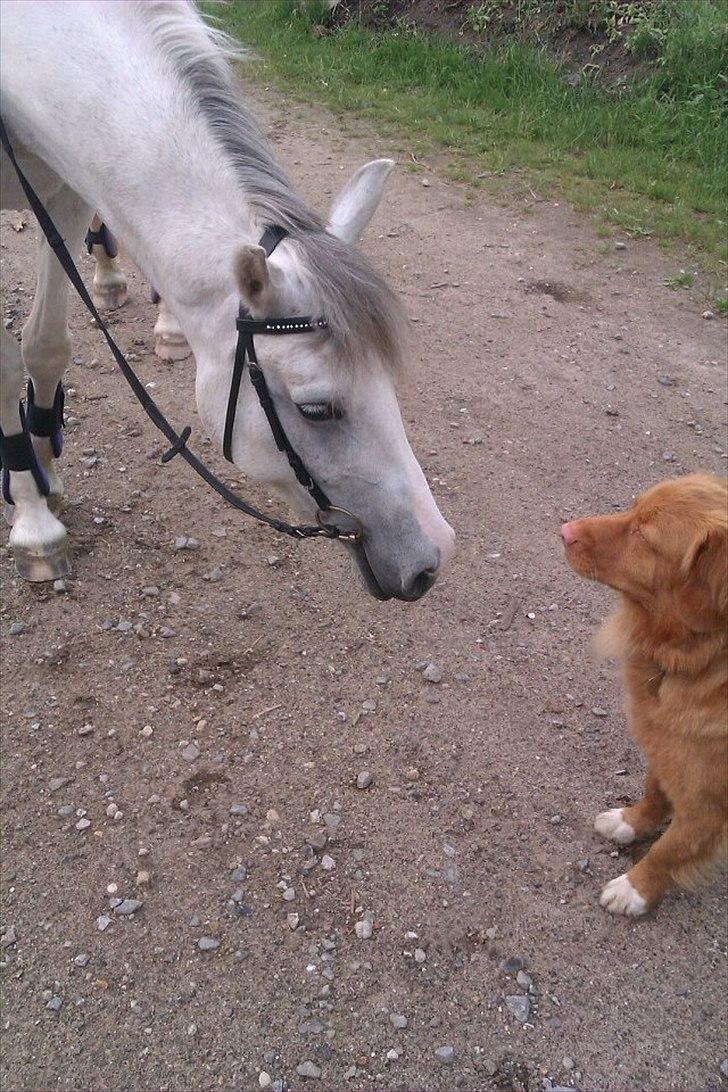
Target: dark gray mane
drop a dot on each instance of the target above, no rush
(362, 311)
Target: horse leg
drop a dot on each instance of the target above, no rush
(169, 341)
(108, 288)
(37, 538)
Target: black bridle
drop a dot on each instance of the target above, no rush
(16, 452)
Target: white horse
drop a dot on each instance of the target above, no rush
(131, 109)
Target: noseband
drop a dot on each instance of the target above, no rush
(17, 452)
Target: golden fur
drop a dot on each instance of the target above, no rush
(668, 558)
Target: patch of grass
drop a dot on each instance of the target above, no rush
(721, 305)
(681, 280)
(650, 158)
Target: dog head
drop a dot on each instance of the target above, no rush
(669, 550)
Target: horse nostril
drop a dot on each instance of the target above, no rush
(421, 584)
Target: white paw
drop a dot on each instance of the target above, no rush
(611, 824)
(620, 897)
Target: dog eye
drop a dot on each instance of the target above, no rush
(319, 411)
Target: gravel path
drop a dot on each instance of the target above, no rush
(262, 832)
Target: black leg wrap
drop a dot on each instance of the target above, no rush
(154, 296)
(47, 422)
(104, 238)
(17, 453)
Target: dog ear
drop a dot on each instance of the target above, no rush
(704, 594)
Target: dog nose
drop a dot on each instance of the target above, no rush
(568, 533)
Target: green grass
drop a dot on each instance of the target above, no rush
(649, 159)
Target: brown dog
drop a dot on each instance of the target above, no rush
(668, 557)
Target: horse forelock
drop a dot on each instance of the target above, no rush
(363, 314)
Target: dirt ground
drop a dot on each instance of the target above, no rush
(555, 375)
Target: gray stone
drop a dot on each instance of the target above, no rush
(317, 840)
(511, 965)
(332, 820)
(238, 809)
(599, 712)
(16, 628)
(432, 673)
(57, 783)
(103, 922)
(364, 779)
(239, 874)
(309, 1070)
(8, 937)
(519, 1007)
(128, 906)
(208, 944)
(420, 955)
(724, 1067)
(81, 959)
(186, 542)
(54, 1004)
(191, 752)
(524, 980)
(397, 1020)
(445, 1054)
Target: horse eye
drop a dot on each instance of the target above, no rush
(318, 411)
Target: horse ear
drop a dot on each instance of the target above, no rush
(356, 204)
(251, 272)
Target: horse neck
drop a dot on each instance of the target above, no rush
(143, 155)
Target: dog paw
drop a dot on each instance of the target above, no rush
(611, 824)
(620, 897)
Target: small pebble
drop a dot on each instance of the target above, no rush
(238, 809)
(191, 752)
(289, 894)
(60, 586)
(293, 920)
(308, 1069)
(724, 1067)
(432, 673)
(364, 929)
(54, 1004)
(398, 1021)
(619, 245)
(81, 959)
(364, 779)
(147, 731)
(103, 922)
(83, 824)
(208, 944)
(143, 878)
(512, 965)
(599, 712)
(128, 906)
(420, 955)
(8, 937)
(264, 1080)
(519, 1007)
(708, 315)
(446, 1054)
(327, 863)
(16, 628)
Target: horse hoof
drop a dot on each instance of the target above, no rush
(171, 348)
(107, 297)
(37, 566)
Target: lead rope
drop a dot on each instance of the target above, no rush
(177, 440)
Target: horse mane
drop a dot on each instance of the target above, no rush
(362, 312)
